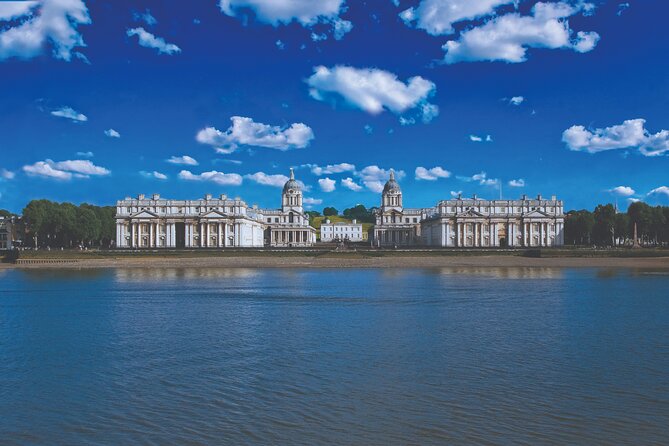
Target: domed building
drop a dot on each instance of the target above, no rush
(395, 225)
(289, 226)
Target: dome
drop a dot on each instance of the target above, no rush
(291, 184)
(392, 185)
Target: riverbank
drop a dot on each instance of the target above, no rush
(308, 259)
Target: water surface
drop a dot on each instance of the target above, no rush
(375, 357)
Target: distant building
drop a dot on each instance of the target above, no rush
(6, 234)
(342, 231)
(469, 222)
(210, 222)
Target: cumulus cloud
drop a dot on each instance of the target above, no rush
(155, 174)
(88, 154)
(630, 134)
(183, 160)
(350, 184)
(70, 113)
(112, 133)
(374, 90)
(516, 100)
(438, 16)
(274, 180)
(41, 24)
(507, 37)
(7, 174)
(330, 168)
(145, 17)
(481, 178)
(311, 201)
(662, 190)
(622, 191)
(223, 179)
(327, 184)
(517, 183)
(456, 193)
(374, 177)
(148, 40)
(65, 170)
(621, 8)
(431, 174)
(244, 131)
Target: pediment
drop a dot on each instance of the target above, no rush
(144, 214)
(535, 214)
(213, 214)
(469, 213)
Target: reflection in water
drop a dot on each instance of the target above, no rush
(307, 356)
(154, 274)
(506, 272)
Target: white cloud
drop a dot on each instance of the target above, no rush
(148, 40)
(476, 138)
(65, 170)
(481, 178)
(145, 17)
(331, 168)
(622, 191)
(155, 174)
(340, 28)
(7, 174)
(312, 201)
(633, 200)
(456, 193)
(223, 179)
(327, 184)
(438, 16)
(374, 177)
(348, 183)
(55, 25)
(630, 134)
(70, 113)
(244, 131)
(318, 37)
(85, 154)
(621, 8)
(507, 37)
(275, 12)
(662, 190)
(184, 160)
(112, 133)
(431, 174)
(516, 100)
(374, 90)
(276, 180)
(280, 45)
(517, 183)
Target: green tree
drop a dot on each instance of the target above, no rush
(36, 216)
(578, 227)
(360, 213)
(88, 225)
(328, 211)
(603, 231)
(622, 227)
(640, 214)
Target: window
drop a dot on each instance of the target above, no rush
(415, 220)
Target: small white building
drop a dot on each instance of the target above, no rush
(6, 234)
(341, 231)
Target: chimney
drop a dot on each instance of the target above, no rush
(539, 197)
(553, 198)
(255, 207)
(155, 197)
(355, 221)
(140, 196)
(524, 197)
(474, 197)
(223, 196)
(327, 221)
(207, 197)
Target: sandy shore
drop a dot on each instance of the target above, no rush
(656, 263)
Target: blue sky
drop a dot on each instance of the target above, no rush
(106, 99)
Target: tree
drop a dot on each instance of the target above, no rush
(578, 227)
(641, 214)
(622, 228)
(328, 211)
(36, 214)
(360, 213)
(603, 231)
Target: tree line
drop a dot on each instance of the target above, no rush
(65, 225)
(606, 227)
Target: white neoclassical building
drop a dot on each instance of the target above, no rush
(469, 222)
(212, 222)
(342, 231)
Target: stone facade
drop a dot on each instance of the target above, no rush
(469, 222)
(6, 234)
(222, 222)
(342, 231)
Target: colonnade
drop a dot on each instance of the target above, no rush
(286, 237)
